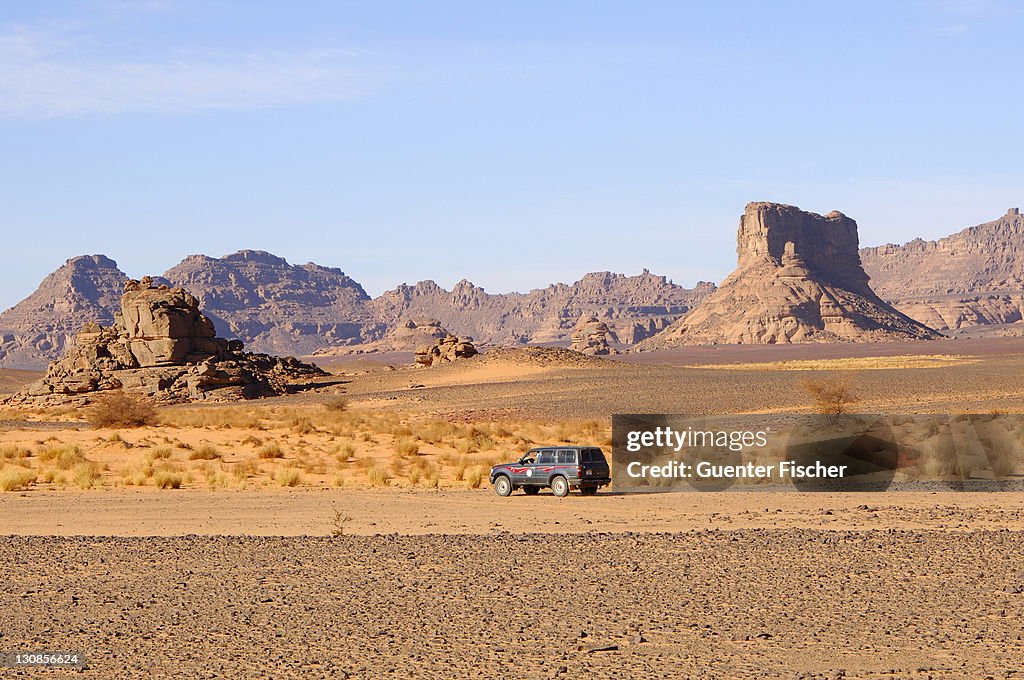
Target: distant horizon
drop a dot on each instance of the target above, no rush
(450, 282)
(511, 145)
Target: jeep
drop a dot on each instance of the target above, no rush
(559, 467)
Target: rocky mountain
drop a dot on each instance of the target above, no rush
(280, 308)
(39, 328)
(274, 306)
(798, 279)
(972, 278)
(634, 307)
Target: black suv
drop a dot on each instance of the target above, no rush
(560, 467)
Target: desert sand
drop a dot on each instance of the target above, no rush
(349, 532)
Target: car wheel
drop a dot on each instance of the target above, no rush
(588, 490)
(560, 487)
(503, 486)
(531, 490)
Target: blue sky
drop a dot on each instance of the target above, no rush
(513, 144)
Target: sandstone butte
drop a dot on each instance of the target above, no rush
(798, 279)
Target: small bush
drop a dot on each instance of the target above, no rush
(475, 477)
(377, 476)
(289, 477)
(302, 426)
(63, 456)
(270, 450)
(120, 409)
(85, 475)
(16, 480)
(12, 452)
(406, 447)
(165, 479)
(162, 453)
(205, 452)
(831, 396)
(336, 404)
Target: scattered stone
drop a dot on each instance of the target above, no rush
(161, 346)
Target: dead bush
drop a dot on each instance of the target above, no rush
(120, 409)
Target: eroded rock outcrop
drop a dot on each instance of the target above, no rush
(591, 336)
(972, 278)
(447, 349)
(162, 346)
(798, 279)
(41, 327)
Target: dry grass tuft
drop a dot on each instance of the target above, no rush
(270, 450)
(205, 452)
(62, 456)
(120, 409)
(288, 477)
(165, 479)
(16, 480)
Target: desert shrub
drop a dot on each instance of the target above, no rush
(63, 456)
(85, 475)
(205, 452)
(288, 477)
(254, 441)
(270, 450)
(162, 453)
(336, 404)
(460, 469)
(832, 395)
(244, 469)
(377, 476)
(343, 452)
(475, 477)
(302, 426)
(16, 480)
(165, 479)
(120, 409)
(13, 452)
(406, 447)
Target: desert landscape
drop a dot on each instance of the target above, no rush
(373, 340)
(177, 504)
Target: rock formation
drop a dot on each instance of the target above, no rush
(277, 307)
(162, 346)
(633, 306)
(274, 306)
(972, 278)
(41, 327)
(798, 279)
(407, 337)
(591, 337)
(445, 350)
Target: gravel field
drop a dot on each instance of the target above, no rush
(746, 603)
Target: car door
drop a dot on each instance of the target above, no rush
(519, 470)
(541, 470)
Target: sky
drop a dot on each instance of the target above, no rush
(513, 144)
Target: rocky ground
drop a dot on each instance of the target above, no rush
(749, 603)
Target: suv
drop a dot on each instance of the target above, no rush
(560, 467)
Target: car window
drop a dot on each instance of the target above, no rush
(594, 455)
(585, 456)
(566, 457)
(546, 458)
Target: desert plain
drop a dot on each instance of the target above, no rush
(348, 529)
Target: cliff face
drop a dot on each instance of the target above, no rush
(280, 308)
(798, 279)
(633, 306)
(972, 278)
(274, 306)
(41, 327)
